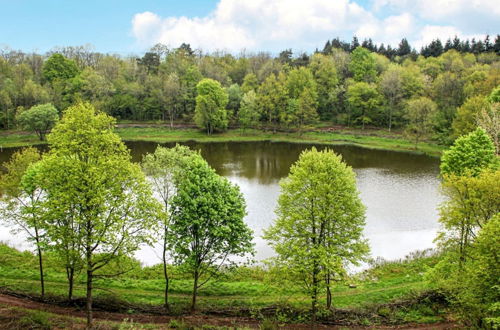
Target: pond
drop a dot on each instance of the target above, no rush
(400, 191)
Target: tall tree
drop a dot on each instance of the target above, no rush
(164, 169)
(327, 80)
(363, 99)
(21, 203)
(88, 176)
(211, 104)
(391, 86)
(362, 65)
(421, 114)
(207, 223)
(249, 114)
(320, 219)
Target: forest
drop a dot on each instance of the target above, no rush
(86, 207)
(437, 94)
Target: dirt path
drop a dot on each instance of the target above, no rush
(193, 320)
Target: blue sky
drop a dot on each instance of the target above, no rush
(124, 27)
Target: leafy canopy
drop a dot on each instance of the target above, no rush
(39, 119)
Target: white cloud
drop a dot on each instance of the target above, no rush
(303, 25)
(237, 24)
(432, 32)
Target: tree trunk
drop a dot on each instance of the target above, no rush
(40, 263)
(195, 291)
(89, 288)
(71, 275)
(165, 273)
(314, 297)
(328, 292)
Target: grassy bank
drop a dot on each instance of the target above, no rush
(388, 293)
(375, 139)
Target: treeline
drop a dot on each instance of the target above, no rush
(435, 48)
(427, 97)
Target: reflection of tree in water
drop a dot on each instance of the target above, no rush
(268, 162)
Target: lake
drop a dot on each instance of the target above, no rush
(400, 191)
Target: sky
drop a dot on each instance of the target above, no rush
(132, 26)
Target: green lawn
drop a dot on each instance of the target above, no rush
(244, 288)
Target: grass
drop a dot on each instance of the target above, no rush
(374, 139)
(240, 290)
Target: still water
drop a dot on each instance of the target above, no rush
(400, 191)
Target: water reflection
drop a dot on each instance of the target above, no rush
(399, 189)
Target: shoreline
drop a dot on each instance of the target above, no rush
(369, 139)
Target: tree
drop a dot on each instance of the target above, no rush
(234, 95)
(211, 104)
(272, 98)
(320, 219)
(420, 113)
(489, 120)
(469, 154)
(164, 169)
(88, 176)
(481, 291)
(207, 223)
(363, 100)
(467, 115)
(248, 115)
(21, 203)
(327, 80)
(391, 86)
(58, 67)
(362, 65)
(250, 83)
(39, 119)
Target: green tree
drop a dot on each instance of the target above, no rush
(466, 119)
(211, 104)
(234, 95)
(469, 154)
(21, 203)
(207, 223)
(272, 98)
(39, 119)
(250, 83)
(249, 114)
(362, 65)
(489, 120)
(327, 80)
(320, 219)
(480, 294)
(58, 67)
(363, 99)
(89, 177)
(164, 169)
(391, 86)
(420, 114)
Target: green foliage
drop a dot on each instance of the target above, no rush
(165, 170)
(467, 115)
(364, 100)
(249, 113)
(470, 154)
(421, 114)
(320, 221)
(211, 106)
(362, 65)
(98, 206)
(39, 119)
(58, 67)
(207, 222)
